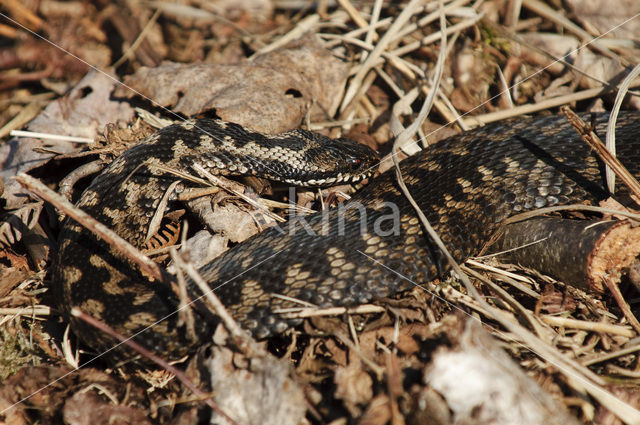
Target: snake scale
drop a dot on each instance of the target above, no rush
(369, 248)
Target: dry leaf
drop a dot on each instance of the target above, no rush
(87, 408)
(600, 14)
(353, 386)
(83, 112)
(270, 94)
(15, 223)
(263, 394)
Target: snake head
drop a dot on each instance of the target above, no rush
(358, 159)
(338, 161)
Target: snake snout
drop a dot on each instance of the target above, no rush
(357, 161)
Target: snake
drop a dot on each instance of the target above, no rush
(362, 251)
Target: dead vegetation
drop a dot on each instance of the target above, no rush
(361, 69)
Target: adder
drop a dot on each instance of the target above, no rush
(370, 248)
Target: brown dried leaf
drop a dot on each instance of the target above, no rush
(600, 14)
(271, 93)
(354, 386)
(264, 393)
(595, 65)
(83, 112)
(555, 302)
(17, 222)
(555, 45)
(473, 75)
(12, 276)
(378, 412)
(87, 408)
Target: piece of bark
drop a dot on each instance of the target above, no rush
(577, 252)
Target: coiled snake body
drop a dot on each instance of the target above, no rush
(369, 248)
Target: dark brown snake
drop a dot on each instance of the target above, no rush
(372, 247)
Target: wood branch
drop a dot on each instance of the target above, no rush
(578, 252)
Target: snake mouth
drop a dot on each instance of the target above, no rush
(340, 178)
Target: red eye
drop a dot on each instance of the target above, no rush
(355, 162)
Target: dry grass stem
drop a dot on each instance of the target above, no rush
(612, 285)
(47, 136)
(607, 328)
(139, 39)
(31, 311)
(599, 358)
(221, 183)
(353, 13)
(611, 127)
(474, 121)
(330, 311)
(526, 314)
(500, 271)
(241, 337)
(577, 207)
(355, 83)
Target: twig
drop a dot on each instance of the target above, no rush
(103, 327)
(529, 317)
(353, 13)
(344, 338)
(375, 17)
(242, 339)
(622, 303)
(36, 310)
(146, 265)
(219, 182)
(499, 271)
(594, 142)
(608, 356)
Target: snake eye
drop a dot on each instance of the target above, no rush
(355, 163)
